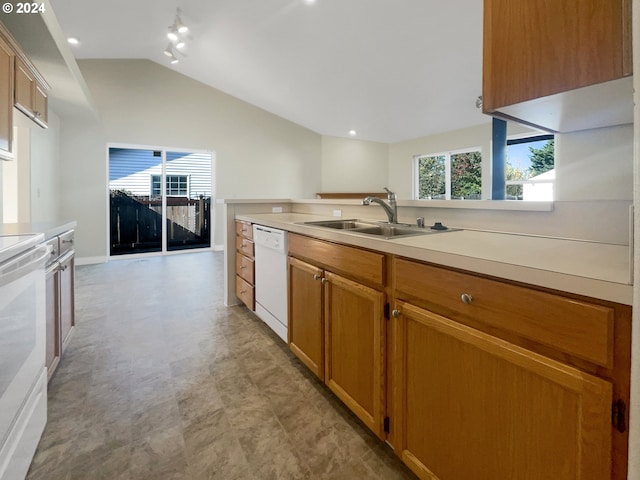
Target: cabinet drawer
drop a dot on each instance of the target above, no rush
(575, 327)
(245, 292)
(354, 262)
(244, 229)
(245, 268)
(66, 241)
(245, 246)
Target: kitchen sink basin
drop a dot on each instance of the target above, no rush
(341, 224)
(378, 229)
(390, 231)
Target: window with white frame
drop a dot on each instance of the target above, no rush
(529, 168)
(448, 175)
(176, 185)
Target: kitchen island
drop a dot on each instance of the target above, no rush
(488, 311)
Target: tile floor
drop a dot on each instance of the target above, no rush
(162, 381)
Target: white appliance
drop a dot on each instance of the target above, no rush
(271, 278)
(23, 376)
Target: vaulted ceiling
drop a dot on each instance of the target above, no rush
(390, 70)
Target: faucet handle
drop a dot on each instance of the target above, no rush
(390, 195)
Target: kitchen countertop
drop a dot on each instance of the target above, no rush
(48, 229)
(13, 245)
(592, 269)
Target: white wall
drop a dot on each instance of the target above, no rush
(16, 180)
(258, 155)
(595, 164)
(83, 180)
(350, 165)
(46, 171)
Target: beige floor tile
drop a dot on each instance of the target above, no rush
(162, 381)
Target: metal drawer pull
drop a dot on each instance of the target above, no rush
(316, 276)
(324, 280)
(466, 298)
(395, 313)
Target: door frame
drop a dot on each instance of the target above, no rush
(164, 150)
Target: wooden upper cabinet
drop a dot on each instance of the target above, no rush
(24, 81)
(536, 48)
(6, 98)
(30, 97)
(41, 105)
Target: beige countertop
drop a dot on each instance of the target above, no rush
(596, 270)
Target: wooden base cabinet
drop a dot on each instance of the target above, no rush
(60, 299)
(306, 328)
(245, 264)
(471, 405)
(355, 348)
(53, 345)
(337, 324)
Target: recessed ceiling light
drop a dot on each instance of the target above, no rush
(180, 44)
(73, 40)
(352, 133)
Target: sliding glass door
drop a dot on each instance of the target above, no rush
(160, 200)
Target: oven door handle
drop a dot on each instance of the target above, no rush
(24, 264)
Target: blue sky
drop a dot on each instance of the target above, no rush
(518, 155)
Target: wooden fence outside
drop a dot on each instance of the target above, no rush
(136, 223)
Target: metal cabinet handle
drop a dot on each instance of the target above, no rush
(67, 241)
(466, 298)
(395, 313)
(242, 267)
(316, 276)
(324, 280)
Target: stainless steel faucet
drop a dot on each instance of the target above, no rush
(391, 208)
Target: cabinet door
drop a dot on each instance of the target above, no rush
(306, 335)
(67, 302)
(52, 320)
(24, 88)
(473, 406)
(40, 105)
(355, 352)
(6, 98)
(535, 48)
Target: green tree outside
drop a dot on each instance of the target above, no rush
(466, 175)
(542, 159)
(431, 175)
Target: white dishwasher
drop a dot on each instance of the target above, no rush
(271, 277)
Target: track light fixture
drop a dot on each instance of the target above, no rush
(177, 29)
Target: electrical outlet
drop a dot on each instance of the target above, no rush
(337, 213)
(276, 209)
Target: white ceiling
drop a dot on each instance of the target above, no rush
(390, 69)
